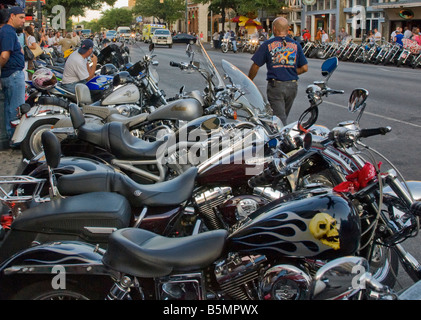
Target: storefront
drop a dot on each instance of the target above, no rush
(404, 14)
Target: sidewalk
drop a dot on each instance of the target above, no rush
(10, 160)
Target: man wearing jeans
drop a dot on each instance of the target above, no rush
(285, 60)
(12, 64)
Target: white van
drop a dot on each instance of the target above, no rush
(162, 36)
(124, 32)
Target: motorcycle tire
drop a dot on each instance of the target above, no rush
(399, 63)
(89, 289)
(31, 145)
(224, 48)
(313, 53)
(384, 265)
(320, 54)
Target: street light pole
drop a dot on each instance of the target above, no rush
(39, 15)
(186, 18)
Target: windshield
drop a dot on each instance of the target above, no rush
(252, 94)
(200, 57)
(166, 32)
(110, 33)
(125, 31)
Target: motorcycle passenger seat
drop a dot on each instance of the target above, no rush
(126, 146)
(168, 193)
(91, 132)
(142, 253)
(57, 68)
(54, 101)
(83, 95)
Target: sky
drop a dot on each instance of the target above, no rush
(92, 14)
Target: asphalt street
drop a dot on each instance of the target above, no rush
(395, 101)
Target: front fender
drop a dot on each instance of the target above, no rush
(77, 258)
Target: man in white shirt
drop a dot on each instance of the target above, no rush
(377, 36)
(77, 68)
(325, 37)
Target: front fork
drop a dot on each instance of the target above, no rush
(409, 262)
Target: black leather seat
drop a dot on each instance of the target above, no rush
(167, 193)
(143, 253)
(55, 101)
(115, 137)
(126, 146)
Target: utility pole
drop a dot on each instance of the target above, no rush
(39, 15)
(186, 18)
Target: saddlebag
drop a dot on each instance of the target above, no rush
(89, 217)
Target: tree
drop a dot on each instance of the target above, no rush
(167, 11)
(248, 8)
(115, 17)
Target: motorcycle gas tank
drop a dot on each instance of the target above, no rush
(99, 82)
(303, 225)
(233, 170)
(128, 93)
(234, 163)
(182, 109)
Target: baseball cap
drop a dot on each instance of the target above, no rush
(16, 10)
(85, 46)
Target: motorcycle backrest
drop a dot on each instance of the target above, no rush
(83, 95)
(76, 115)
(52, 149)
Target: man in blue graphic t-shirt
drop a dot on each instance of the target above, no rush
(285, 60)
(12, 63)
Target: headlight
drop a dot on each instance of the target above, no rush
(132, 34)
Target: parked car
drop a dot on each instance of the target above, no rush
(184, 38)
(86, 33)
(110, 34)
(162, 36)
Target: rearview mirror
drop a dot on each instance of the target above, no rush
(329, 66)
(357, 99)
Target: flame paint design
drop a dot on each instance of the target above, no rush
(286, 233)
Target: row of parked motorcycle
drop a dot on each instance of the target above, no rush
(243, 45)
(385, 53)
(204, 196)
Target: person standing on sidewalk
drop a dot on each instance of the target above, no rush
(12, 63)
(285, 60)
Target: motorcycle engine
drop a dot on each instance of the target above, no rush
(223, 210)
(187, 286)
(247, 277)
(238, 277)
(128, 110)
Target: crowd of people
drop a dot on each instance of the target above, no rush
(15, 41)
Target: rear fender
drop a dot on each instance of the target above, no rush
(71, 257)
(26, 123)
